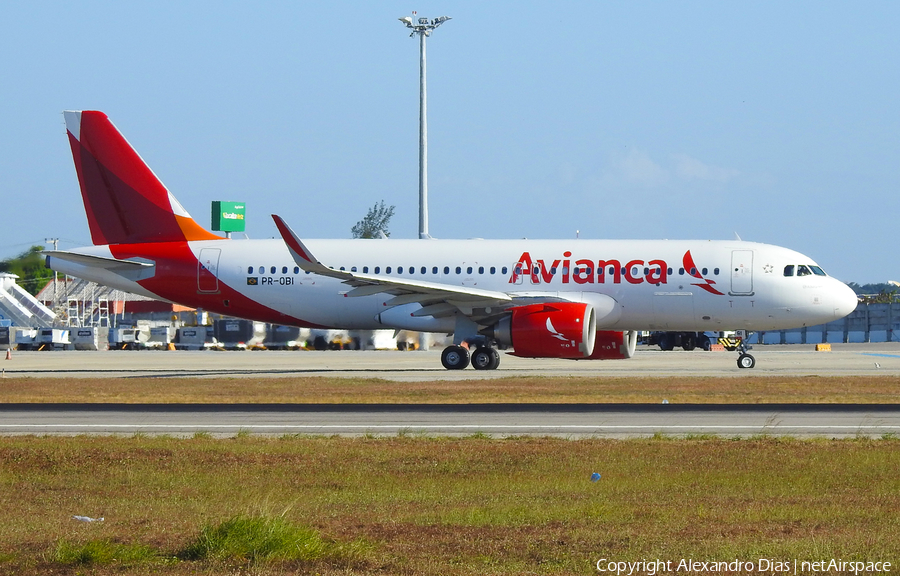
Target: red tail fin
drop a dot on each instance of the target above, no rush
(124, 200)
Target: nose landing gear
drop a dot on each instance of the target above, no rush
(745, 360)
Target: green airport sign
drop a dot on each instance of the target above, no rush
(228, 216)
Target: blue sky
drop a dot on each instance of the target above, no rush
(775, 120)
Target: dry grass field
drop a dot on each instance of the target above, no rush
(412, 506)
(681, 390)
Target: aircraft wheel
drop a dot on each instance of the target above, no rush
(485, 359)
(746, 361)
(688, 343)
(455, 358)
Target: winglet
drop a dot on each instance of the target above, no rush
(301, 254)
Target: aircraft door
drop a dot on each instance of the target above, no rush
(208, 270)
(741, 272)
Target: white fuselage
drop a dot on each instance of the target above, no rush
(650, 283)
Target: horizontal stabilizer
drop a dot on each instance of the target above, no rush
(97, 261)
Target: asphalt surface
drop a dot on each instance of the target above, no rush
(569, 420)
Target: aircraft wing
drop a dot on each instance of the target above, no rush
(435, 298)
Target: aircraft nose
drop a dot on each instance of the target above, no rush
(844, 299)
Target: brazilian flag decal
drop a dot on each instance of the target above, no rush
(252, 280)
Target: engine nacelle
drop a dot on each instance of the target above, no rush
(610, 345)
(554, 330)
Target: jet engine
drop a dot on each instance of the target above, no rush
(554, 330)
(610, 345)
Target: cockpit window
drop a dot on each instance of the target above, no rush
(789, 270)
(818, 271)
(803, 270)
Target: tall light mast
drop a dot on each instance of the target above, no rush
(423, 27)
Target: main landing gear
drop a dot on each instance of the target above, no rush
(745, 360)
(457, 357)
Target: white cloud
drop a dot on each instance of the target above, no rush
(689, 168)
(636, 167)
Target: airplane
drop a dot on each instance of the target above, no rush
(574, 299)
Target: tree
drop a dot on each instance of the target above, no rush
(377, 220)
(876, 293)
(29, 267)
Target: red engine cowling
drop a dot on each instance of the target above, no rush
(556, 330)
(610, 345)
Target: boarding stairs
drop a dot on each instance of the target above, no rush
(19, 308)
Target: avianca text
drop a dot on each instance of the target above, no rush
(584, 271)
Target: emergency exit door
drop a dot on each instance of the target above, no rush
(208, 270)
(741, 272)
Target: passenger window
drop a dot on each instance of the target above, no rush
(669, 271)
(458, 270)
(249, 269)
(481, 269)
(789, 270)
(716, 271)
(365, 269)
(399, 270)
(493, 269)
(704, 271)
(353, 268)
(446, 269)
(378, 269)
(434, 270)
(469, 270)
(342, 269)
(296, 269)
(424, 270)
(262, 269)
(284, 269)
(272, 269)
(504, 270)
(681, 271)
(387, 270)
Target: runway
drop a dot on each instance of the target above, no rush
(771, 360)
(495, 420)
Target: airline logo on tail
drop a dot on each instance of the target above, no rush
(124, 200)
